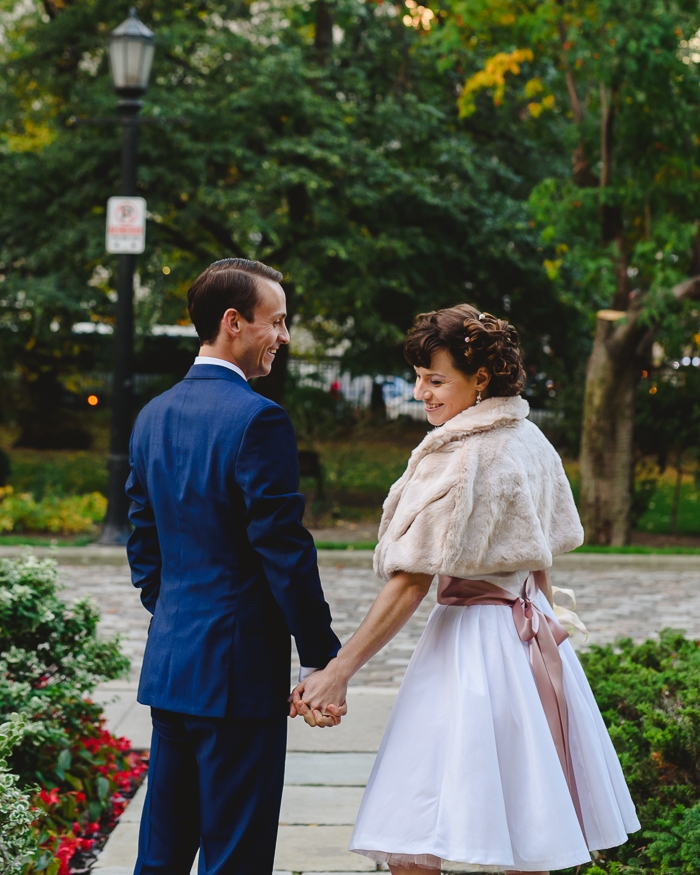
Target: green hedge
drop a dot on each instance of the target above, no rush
(51, 660)
(649, 696)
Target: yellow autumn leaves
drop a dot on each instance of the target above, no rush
(493, 76)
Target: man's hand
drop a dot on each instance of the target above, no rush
(331, 718)
(321, 698)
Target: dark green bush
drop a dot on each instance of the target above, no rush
(649, 696)
(316, 413)
(50, 661)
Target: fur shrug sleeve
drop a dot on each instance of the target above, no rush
(482, 494)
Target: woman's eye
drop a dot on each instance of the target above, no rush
(436, 382)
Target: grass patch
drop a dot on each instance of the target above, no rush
(38, 541)
(639, 549)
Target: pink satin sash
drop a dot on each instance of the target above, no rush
(543, 634)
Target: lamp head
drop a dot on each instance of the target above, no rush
(131, 49)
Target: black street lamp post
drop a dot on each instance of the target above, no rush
(131, 56)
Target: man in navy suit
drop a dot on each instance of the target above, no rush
(228, 572)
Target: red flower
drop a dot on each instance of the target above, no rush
(123, 744)
(50, 798)
(67, 847)
(80, 797)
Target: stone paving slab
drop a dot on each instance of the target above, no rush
(328, 769)
(121, 849)
(318, 849)
(320, 806)
(125, 716)
(360, 730)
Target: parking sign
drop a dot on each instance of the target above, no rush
(126, 225)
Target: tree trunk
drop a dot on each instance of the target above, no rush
(620, 348)
(323, 37)
(676, 498)
(607, 462)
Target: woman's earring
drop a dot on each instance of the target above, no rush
(478, 397)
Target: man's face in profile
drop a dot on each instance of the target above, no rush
(261, 339)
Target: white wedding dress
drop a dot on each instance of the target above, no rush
(468, 770)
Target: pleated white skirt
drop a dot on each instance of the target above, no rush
(467, 770)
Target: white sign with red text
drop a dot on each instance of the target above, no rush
(126, 225)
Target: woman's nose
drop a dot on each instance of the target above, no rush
(419, 391)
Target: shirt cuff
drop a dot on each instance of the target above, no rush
(304, 672)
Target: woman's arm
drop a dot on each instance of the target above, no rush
(392, 608)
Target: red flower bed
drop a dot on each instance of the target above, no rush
(73, 820)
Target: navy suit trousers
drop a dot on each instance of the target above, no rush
(214, 784)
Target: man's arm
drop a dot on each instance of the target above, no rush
(143, 548)
(267, 471)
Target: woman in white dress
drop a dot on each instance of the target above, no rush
(495, 755)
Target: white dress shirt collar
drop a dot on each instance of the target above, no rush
(210, 360)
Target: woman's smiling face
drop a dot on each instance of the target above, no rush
(446, 391)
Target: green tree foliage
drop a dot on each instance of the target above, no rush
(610, 94)
(329, 147)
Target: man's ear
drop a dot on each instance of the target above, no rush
(231, 322)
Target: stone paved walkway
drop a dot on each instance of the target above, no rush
(326, 770)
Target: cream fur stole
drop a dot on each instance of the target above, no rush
(484, 493)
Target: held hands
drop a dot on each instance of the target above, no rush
(315, 696)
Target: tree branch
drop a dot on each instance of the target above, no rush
(183, 241)
(570, 84)
(689, 288)
(605, 135)
(221, 235)
(629, 334)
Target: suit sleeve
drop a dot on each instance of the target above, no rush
(267, 472)
(143, 547)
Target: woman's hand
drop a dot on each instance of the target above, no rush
(321, 698)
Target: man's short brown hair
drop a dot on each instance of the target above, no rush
(225, 285)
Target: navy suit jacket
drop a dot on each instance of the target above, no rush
(219, 551)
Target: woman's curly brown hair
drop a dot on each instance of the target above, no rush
(474, 340)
